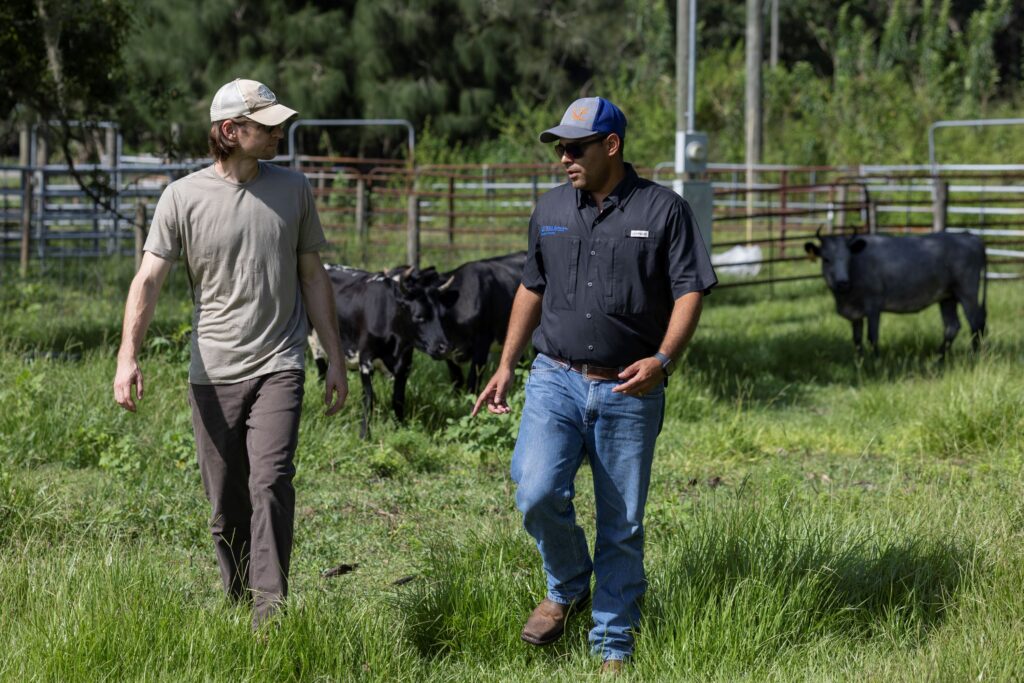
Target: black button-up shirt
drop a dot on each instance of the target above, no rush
(609, 278)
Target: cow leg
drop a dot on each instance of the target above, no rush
(321, 368)
(366, 375)
(973, 311)
(950, 322)
(873, 320)
(455, 373)
(401, 372)
(319, 355)
(481, 350)
(858, 335)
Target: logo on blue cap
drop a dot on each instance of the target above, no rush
(585, 117)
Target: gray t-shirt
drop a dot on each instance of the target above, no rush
(241, 245)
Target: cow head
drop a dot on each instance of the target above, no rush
(835, 253)
(429, 336)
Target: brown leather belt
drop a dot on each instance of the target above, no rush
(590, 371)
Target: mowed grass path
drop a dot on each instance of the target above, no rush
(812, 516)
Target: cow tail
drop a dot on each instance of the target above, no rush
(984, 293)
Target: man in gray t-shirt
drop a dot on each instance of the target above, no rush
(249, 235)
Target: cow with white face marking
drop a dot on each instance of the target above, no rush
(382, 320)
(869, 274)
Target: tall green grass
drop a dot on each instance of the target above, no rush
(813, 515)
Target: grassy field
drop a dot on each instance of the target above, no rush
(812, 516)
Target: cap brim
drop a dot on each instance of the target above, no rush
(565, 133)
(273, 115)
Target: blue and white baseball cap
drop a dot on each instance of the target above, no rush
(252, 99)
(585, 117)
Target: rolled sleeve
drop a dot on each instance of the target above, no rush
(689, 263)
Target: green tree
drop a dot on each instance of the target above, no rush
(181, 52)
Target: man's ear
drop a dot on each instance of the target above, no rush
(229, 129)
(613, 143)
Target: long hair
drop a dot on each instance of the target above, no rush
(220, 146)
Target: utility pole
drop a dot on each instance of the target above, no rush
(753, 99)
(684, 117)
(773, 50)
(691, 145)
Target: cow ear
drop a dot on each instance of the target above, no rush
(448, 296)
(857, 245)
(812, 250)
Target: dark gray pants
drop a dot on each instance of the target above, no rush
(246, 435)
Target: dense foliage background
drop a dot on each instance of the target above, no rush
(857, 82)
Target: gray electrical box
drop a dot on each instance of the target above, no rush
(699, 196)
(692, 160)
(694, 148)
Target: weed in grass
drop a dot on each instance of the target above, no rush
(488, 436)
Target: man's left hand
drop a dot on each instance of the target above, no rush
(641, 377)
(335, 387)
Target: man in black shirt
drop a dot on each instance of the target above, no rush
(611, 292)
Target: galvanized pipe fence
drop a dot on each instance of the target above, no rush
(378, 212)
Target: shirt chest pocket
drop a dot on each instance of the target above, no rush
(631, 274)
(561, 267)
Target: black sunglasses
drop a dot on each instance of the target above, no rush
(577, 149)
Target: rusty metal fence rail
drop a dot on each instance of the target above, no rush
(378, 213)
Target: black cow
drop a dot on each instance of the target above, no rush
(473, 303)
(869, 274)
(382, 320)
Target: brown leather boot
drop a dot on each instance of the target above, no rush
(547, 622)
(613, 667)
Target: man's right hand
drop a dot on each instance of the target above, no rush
(495, 393)
(128, 375)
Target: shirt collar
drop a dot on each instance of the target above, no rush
(617, 197)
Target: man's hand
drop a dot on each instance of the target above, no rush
(128, 375)
(335, 388)
(495, 393)
(641, 376)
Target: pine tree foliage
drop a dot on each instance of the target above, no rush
(858, 80)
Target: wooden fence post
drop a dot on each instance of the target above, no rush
(23, 146)
(26, 220)
(362, 231)
(783, 206)
(140, 231)
(940, 201)
(412, 241)
(841, 218)
(451, 209)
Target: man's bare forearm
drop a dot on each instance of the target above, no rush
(141, 304)
(525, 317)
(318, 298)
(682, 324)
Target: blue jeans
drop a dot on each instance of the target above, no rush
(566, 418)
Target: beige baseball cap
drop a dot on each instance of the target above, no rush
(252, 99)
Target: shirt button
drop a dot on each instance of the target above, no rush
(590, 284)
(589, 316)
(593, 253)
(590, 347)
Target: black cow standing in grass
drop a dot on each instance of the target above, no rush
(473, 303)
(869, 274)
(382, 320)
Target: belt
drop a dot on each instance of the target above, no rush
(590, 371)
